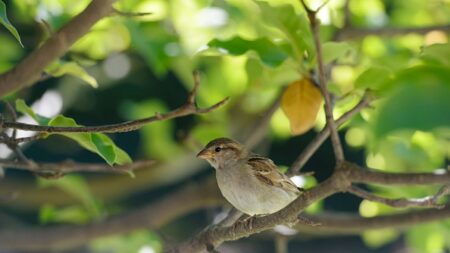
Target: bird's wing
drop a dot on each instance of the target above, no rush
(267, 172)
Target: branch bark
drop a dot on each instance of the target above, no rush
(70, 166)
(429, 201)
(28, 71)
(349, 32)
(349, 224)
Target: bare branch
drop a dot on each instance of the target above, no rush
(188, 108)
(29, 70)
(131, 14)
(13, 116)
(430, 201)
(370, 176)
(70, 166)
(335, 223)
(323, 135)
(16, 141)
(314, 25)
(349, 32)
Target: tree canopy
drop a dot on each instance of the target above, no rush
(105, 103)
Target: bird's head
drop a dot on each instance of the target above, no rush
(221, 151)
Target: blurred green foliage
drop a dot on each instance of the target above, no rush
(248, 50)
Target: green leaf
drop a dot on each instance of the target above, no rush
(294, 26)
(334, 50)
(419, 101)
(105, 147)
(84, 139)
(97, 143)
(373, 78)
(271, 54)
(121, 156)
(439, 53)
(61, 68)
(5, 22)
(22, 107)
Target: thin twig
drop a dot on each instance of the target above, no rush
(322, 5)
(188, 108)
(333, 223)
(13, 116)
(429, 201)
(191, 96)
(323, 135)
(131, 14)
(350, 32)
(24, 139)
(335, 140)
(70, 166)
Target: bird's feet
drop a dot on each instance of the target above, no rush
(246, 221)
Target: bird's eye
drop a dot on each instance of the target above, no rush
(218, 149)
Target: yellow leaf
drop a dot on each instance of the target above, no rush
(300, 102)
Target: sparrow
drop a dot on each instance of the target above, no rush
(250, 182)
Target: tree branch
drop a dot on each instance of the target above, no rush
(70, 166)
(188, 108)
(429, 201)
(131, 14)
(29, 69)
(350, 32)
(371, 176)
(348, 224)
(315, 26)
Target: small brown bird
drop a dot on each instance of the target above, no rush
(251, 183)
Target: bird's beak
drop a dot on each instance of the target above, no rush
(205, 154)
